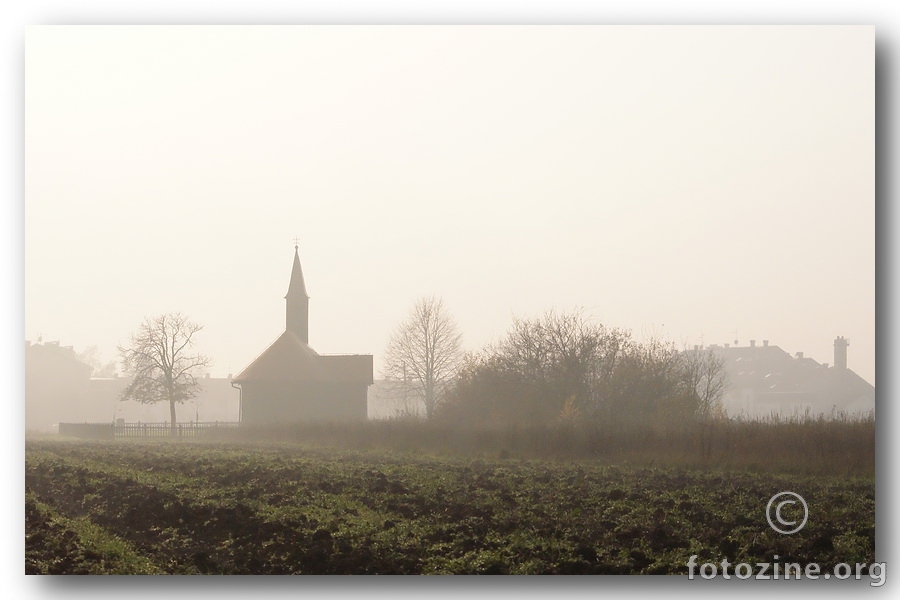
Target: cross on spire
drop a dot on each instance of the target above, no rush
(296, 243)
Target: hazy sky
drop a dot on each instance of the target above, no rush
(702, 183)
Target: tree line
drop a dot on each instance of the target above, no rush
(557, 367)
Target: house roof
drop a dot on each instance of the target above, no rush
(770, 373)
(50, 355)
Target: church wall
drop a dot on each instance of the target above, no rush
(265, 403)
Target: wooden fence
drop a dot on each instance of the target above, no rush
(111, 431)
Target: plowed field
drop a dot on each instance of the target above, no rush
(238, 508)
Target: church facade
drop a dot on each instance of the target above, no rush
(291, 382)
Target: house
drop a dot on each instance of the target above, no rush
(765, 379)
(56, 385)
(291, 382)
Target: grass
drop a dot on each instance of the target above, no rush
(799, 444)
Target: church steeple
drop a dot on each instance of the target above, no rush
(297, 320)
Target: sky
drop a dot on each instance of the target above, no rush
(701, 184)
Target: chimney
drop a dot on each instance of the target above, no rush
(840, 352)
(753, 343)
(799, 355)
(727, 345)
(765, 343)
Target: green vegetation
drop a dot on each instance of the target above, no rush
(221, 507)
(55, 544)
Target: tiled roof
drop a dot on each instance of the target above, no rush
(769, 374)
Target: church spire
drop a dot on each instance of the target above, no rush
(297, 317)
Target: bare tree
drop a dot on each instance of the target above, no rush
(158, 358)
(424, 353)
(706, 380)
(564, 358)
(91, 356)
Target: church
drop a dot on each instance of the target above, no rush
(291, 382)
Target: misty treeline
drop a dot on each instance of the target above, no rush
(566, 368)
(563, 385)
(833, 445)
(91, 356)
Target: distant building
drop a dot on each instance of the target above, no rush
(765, 379)
(291, 382)
(56, 385)
(59, 388)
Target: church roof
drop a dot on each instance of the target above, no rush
(289, 359)
(286, 359)
(297, 286)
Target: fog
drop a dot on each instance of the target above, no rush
(708, 185)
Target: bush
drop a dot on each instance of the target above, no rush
(565, 367)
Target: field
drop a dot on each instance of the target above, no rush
(167, 507)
